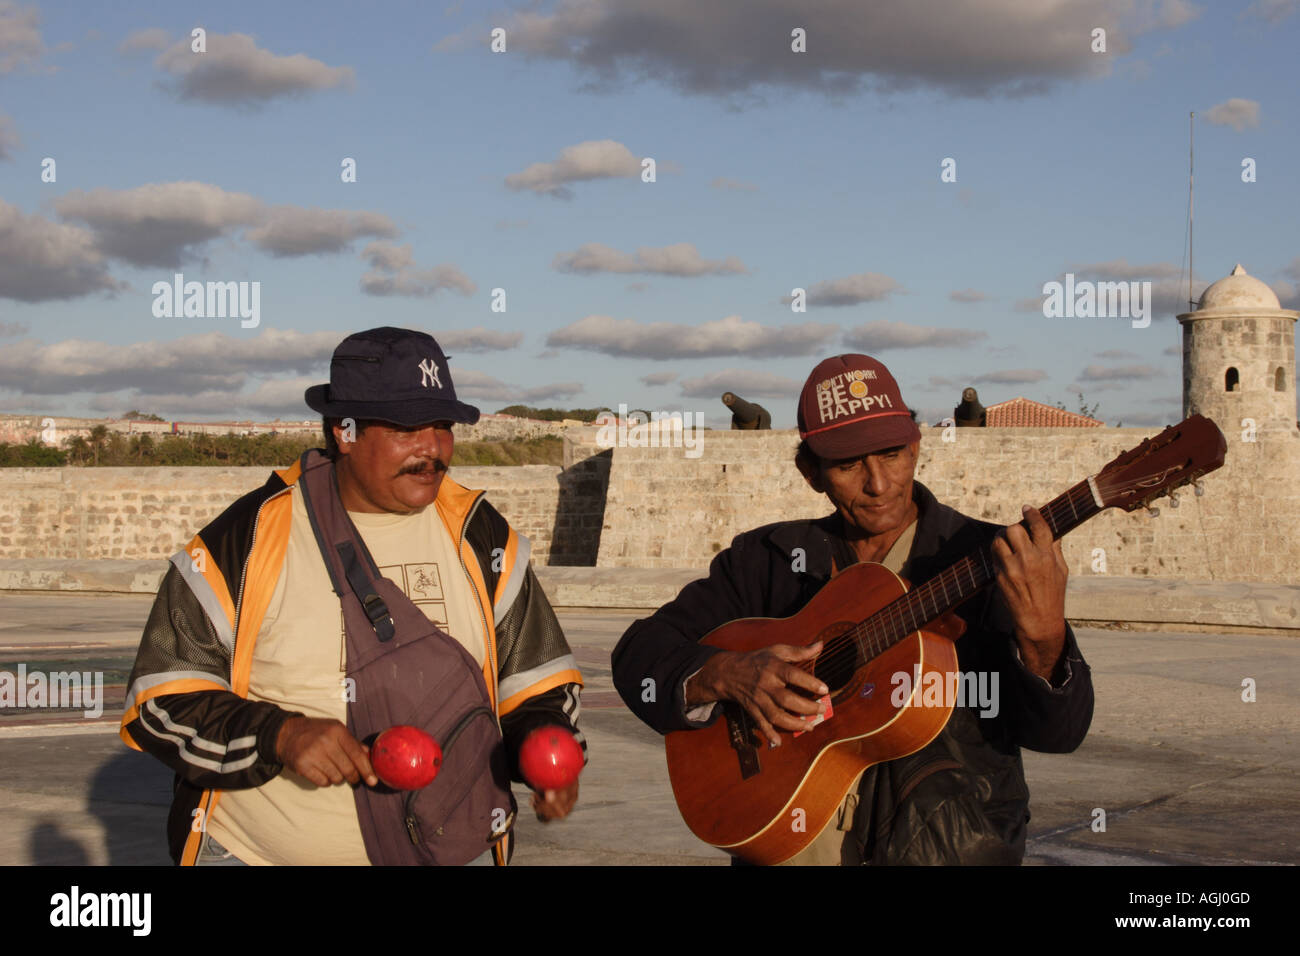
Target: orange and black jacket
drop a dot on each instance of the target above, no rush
(187, 703)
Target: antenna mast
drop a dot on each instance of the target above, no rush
(1191, 166)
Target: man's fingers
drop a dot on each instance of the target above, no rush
(1001, 551)
(356, 754)
(1039, 530)
(316, 776)
(555, 804)
(337, 766)
(797, 703)
(798, 677)
(793, 652)
(758, 712)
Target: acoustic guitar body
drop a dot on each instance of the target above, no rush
(740, 795)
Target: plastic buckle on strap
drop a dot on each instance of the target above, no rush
(377, 611)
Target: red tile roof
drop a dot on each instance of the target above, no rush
(1023, 413)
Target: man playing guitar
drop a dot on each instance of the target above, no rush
(962, 798)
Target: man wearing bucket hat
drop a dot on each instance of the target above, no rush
(239, 684)
(962, 799)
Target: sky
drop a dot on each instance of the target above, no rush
(616, 205)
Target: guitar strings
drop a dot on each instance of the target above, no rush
(887, 626)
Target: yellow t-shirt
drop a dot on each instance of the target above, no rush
(833, 846)
(300, 662)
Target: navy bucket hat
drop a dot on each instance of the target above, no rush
(392, 375)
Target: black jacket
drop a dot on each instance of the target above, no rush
(972, 768)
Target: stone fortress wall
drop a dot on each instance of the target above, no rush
(664, 510)
(657, 508)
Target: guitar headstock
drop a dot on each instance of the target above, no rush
(1179, 455)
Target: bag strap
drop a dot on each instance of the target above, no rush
(347, 559)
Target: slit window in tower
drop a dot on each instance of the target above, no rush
(1230, 380)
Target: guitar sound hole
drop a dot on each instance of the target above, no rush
(839, 659)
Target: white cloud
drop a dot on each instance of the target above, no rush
(474, 385)
(658, 378)
(1236, 112)
(670, 340)
(593, 159)
(1272, 11)
(41, 260)
(1011, 376)
(747, 383)
(976, 48)
(393, 272)
(235, 71)
(192, 364)
(1120, 373)
(159, 224)
(20, 36)
(295, 231)
(680, 259)
(477, 339)
(850, 290)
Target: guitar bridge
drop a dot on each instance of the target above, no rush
(740, 733)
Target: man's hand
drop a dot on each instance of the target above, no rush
(555, 804)
(323, 751)
(761, 682)
(1031, 574)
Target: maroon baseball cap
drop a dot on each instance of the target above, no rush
(851, 406)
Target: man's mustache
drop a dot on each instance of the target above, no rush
(420, 467)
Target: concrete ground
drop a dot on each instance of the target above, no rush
(1185, 771)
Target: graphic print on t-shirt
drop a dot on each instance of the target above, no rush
(422, 583)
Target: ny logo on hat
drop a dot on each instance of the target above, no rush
(429, 374)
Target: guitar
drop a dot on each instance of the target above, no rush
(740, 796)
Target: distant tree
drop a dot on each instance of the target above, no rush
(550, 414)
(142, 447)
(33, 454)
(1084, 410)
(98, 440)
(78, 450)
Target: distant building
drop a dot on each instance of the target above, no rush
(1024, 413)
(1239, 356)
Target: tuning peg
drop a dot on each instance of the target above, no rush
(1198, 488)
(1153, 512)
(1173, 500)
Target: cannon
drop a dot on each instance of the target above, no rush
(746, 416)
(970, 413)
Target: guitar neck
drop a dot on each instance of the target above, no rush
(964, 579)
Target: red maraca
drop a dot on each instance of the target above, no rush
(550, 758)
(405, 758)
